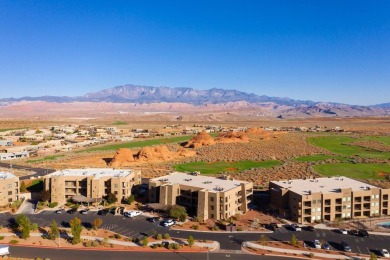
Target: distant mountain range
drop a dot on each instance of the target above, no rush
(218, 99)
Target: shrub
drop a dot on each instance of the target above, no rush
(173, 246)
(311, 255)
(41, 205)
(76, 227)
(117, 236)
(294, 240)
(239, 228)
(166, 236)
(1, 237)
(53, 204)
(14, 241)
(44, 195)
(34, 226)
(54, 231)
(178, 212)
(104, 242)
(97, 223)
(23, 187)
(159, 237)
(24, 225)
(130, 199)
(216, 228)
(145, 242)
(196, 227)
(111, 198)
(190, 241)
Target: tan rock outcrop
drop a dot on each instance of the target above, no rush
(201, 139)
(122, 157)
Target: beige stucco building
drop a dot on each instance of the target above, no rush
(9, 188)
(327, 199)
(91, 183)
(205, 197)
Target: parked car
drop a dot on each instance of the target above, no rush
(363, 233)
(310, 228)
(60, 211)
(345, 245)
(326, 246)
(132, 214)
(296, 227)
(153, 219)
(4, 250)
(72, 211)
(343, 231)
(273, 226)
(103, 212)
(168, 223)
(385, 253)
(84, 211)
(317, 244)
(353, 232)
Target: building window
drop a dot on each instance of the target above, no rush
(212, 199)
(116, 185)
(212, 215)
(9, 186)
(212, 208)
(10, 200)
(10, 192)
(377, 196)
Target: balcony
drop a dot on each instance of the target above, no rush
(358, 200)
(367, 198)
(307, 212)
(307, 204)
(338, 209)
(385, 197)
(327, 203)
(358, 207)
(339, 201)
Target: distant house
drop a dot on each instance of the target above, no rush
(6, 143)
(13, 156)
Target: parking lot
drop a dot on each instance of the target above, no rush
(139, 227)
(361, 245)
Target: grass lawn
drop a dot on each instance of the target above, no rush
(360, 171)
(138, 144)
(319, 157)
(216, 167)
(10, 129)
(47, 158)
(119, 123)
(383, 139)
(339, 145)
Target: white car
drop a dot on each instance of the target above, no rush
(343, 231)
(168, 223)
(132, 214)
(317, 244)
(295, 227)
(385, 253)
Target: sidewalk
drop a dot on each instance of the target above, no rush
(297, 252)
(211, 246)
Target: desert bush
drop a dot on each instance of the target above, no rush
(173, 246)
(166, 236)
(159, 237)
(14, 241)
(53, 204)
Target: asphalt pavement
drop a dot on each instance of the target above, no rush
(139, 227)
(64, 254)
(38, 171)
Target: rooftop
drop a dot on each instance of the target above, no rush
(323, 185)
(95, 172)
(6, 175)
(212, 184)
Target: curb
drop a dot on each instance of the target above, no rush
(222, 232)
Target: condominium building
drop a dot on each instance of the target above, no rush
(9, 188)
(91, 183)
(327, 199)
(205, 197)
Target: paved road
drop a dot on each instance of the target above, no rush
(139, 227)
(63, 254)
(38, 171)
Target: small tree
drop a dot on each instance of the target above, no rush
(263, 240)
(111, 198)
(54, 231)
(373, 256)
(97, 223)
(24, 225)
(23, 187)
(145, 242)
(76, 227)
(44, 196)
(130, 199)
(190, 241)
(294, 240)
(178, 212)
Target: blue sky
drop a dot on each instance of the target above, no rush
(335, 51)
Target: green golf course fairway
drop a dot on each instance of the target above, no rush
(377, 171)
(210, 168)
